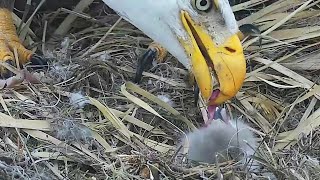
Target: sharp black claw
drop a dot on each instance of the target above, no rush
(7, 74)
(251, 30)
(260, 42)
(196, 94)
(38, 62)
(145, 63)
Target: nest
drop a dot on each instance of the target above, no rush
(87, 120)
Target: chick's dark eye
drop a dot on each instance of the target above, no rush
(203, 5)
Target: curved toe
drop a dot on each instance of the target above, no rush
(38, 62)
(144, 63)
(5, 73)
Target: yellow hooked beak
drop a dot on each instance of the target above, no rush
(227, 60)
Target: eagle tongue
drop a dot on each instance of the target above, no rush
(211, 113)
(212, 108)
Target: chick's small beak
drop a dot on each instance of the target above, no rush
(227, 60)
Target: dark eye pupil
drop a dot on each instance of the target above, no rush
(203, 2)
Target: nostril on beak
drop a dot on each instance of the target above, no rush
(231, 50)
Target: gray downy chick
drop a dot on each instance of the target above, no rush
(221, 140)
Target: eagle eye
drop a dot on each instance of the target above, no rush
(203, 5)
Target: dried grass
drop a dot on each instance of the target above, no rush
(127, 132)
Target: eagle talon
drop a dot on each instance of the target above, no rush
(247, 30)
(196, 94)
(154, 53)
(9, 40)
(5, 73)
(38, 62)
(144, 63)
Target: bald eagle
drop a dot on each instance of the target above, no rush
(203, 35)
